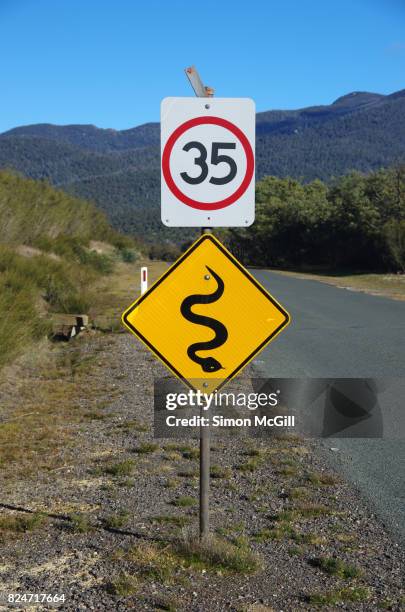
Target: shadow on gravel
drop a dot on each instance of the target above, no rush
(99, 527)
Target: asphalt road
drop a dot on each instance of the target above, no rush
(338, 333)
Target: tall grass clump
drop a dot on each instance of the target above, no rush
(31, 210)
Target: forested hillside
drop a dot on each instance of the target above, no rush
(119, 170)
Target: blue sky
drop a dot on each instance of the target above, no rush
(109, 63)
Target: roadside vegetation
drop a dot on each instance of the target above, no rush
(355, 222)
(53, 250)
(82, 475)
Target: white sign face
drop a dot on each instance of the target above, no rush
(208, 166)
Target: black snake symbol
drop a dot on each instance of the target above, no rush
(208, 364)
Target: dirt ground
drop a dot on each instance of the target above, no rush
(92, 507)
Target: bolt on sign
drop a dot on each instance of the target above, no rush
(206, 317)
(207, 147)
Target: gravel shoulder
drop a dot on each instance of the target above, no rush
(110, 497)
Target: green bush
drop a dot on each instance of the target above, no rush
(355, 222)
(128, 255)
(394, 233)
(60, 277)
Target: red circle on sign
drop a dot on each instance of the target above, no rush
(250, 164)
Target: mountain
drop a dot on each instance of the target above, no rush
(119, 170)
(92, 137)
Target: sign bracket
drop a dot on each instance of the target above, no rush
(200, 90)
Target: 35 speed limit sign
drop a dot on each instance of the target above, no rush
(208, 162)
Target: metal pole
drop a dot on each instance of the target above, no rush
(205, 451)
(203, 92)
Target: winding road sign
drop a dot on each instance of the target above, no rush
(208, 164)
(206, 317)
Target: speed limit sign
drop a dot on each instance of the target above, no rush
(208, 165)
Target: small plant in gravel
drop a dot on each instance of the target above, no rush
(302, 511)
(95, 416)
(184, 501)
(231, 530)
(146, 447)
(186, 451)
(392, 604)
(295, 551)
(283, 530)
(249, 466)
(167, 603)
(79, 523)
(115, 521)
(254, 452)
(188, 474)
(218, 554)
(310, 538)
(353, 594)
(152, 562)
(21, 523)
(216, 471)
(192, 454)
(123, 468)
(288, 471)
(172, 456)
(176, 446)
(336, 567)
(284, 516)
(177, 521)
(230, 486)
(312, 510)
(171, 483)
(126, 482)
(123, 585)
(299, 493)
(321, 479)
(133, 425)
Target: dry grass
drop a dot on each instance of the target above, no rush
(20, 523)
(175, 520)
(146, 448)
(184, 501)
(123, 585)
(218, 554)
(322, 479)
(56, 392)
(120, 290)
(163, 563)
(151, 562)
(116, 521)
(217, 471)
(80, 523)
(122, 468)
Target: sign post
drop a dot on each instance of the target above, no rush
(207, 149)
(202, 91)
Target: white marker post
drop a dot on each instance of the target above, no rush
(144, 279)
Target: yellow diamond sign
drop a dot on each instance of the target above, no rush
(206, 317)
